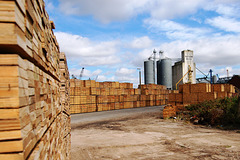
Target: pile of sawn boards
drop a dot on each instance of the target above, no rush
(92, 96)
(34, 109)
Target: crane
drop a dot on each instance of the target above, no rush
(81, 73)
(189, 72)
(73, 77)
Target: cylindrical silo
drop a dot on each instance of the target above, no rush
(148, 72)
(214, 79)
(164, 72)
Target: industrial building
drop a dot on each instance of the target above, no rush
(183, 71)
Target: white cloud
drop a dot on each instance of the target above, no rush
(127, 75)
(209, 50)
(104, 10)
(141, 42)
(119, 10)
(175, 30)
(87, 52)
(97, 72)
(76, 45)
(167, 9)
(227, 8)
(226, 24)
(214, 51)
(97, 61)
(141, 57)
(125, 71)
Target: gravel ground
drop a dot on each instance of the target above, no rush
(140, 133)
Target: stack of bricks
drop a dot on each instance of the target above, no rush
(91, 96)
(197, 93)
(34, 121)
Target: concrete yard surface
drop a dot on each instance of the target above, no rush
(136, 134)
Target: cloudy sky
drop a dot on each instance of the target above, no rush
(112, 38)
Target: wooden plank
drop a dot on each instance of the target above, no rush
(9, 114)
(12, 156)
(9, 92)
(10, 82)
(13, 102)
(10, 135)
(7, 71)
(11, 146)
(10, 12)
(10, 124)
(12, 71)
(12, 60)
(11, 34)
(21, 4)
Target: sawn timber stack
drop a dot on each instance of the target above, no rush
(34, 108)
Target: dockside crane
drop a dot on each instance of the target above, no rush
(81, 73)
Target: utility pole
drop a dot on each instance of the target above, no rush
(140, 78)
(154, 66)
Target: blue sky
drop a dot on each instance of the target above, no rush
(112, 38)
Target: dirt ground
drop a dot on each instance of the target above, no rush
(147, 136)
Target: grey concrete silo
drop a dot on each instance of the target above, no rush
(164, 72)
(148, 72)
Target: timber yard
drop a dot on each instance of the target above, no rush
(173, 110)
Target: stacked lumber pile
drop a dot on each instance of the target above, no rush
(34, 122)
(65, 120)
(64, 84)
(197, 93)
(92, 96)
(169, 111)
(154, 94)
